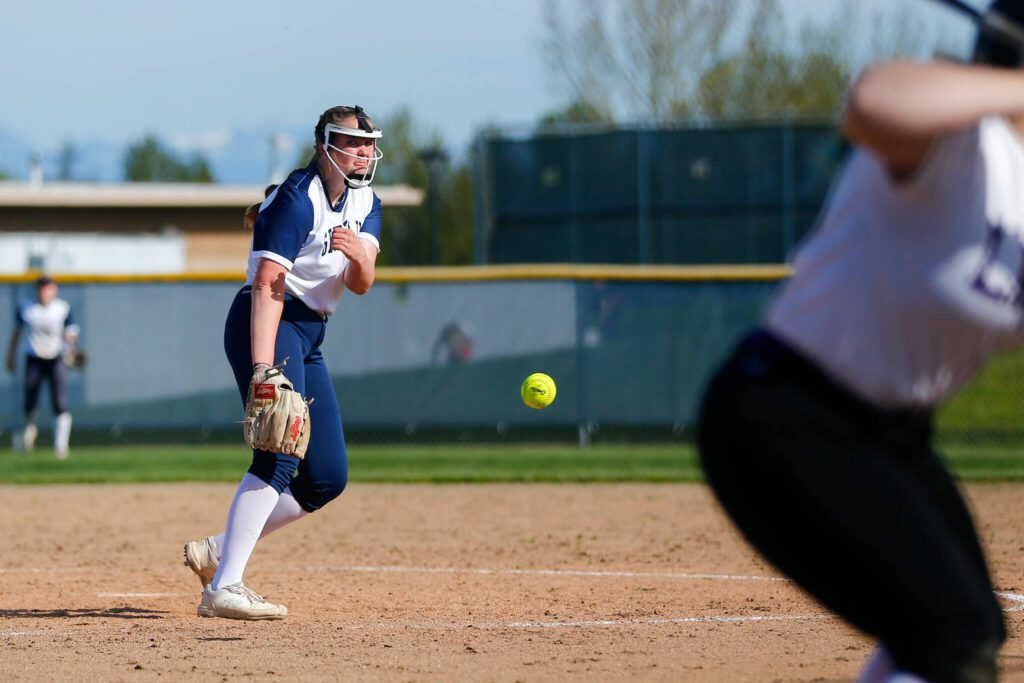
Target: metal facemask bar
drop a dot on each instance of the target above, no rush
(365, 130)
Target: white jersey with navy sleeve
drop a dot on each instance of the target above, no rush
(47, 326)
(294, 229)
(906, 288)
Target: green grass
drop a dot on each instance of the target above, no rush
(992, 402)
(986, 463)
(436, 464)
(453, 463)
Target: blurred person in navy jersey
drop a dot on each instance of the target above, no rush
(49, 330)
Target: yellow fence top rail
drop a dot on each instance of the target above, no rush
(716, 273)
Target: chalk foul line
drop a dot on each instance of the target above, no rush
(590, 623)
(548, 572)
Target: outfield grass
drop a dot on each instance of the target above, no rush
(986, 463)
(453, 463)
(367, 464)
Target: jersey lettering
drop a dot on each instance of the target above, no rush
(993, 279)
(347, 224)
(327, 241)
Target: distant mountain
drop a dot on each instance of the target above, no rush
(15, 154)
(244, 157)
(237, 157)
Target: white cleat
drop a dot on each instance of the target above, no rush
(28, 437)
(61, 453)
(203, 559)
(238, 602)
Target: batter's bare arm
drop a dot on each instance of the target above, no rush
(897, 109)
(267, 305)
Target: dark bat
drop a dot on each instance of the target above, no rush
(995, 24)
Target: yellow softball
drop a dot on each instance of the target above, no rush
(538, 390)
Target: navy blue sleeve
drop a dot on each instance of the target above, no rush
(371, 226)
(283, 225)
(70, 320)
(19, 316)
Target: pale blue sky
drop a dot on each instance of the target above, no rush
(192, 70)
(69, 69)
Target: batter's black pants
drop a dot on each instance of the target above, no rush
(855, 506)
(51, 370)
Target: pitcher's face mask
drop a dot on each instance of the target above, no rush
(359, 145)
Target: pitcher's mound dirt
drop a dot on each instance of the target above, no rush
(489, 582)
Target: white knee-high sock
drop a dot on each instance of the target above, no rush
(254, 500)
(63, 432)
(285, 512)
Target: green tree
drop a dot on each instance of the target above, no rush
(407, 238)
(581, 56)
(663, 45)
(577, 112)
(769, 78)
(659, 60)
(632, 58)
(148, 161)
(456, 243)
(405, 229)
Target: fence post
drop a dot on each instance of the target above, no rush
(643, 199)
(575, 201)
(582, 417)
(483, 215)
(788, 189)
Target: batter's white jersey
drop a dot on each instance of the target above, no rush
(906, 288)
(294, 229)
(47, 326)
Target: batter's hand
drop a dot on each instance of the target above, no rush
(348, 243)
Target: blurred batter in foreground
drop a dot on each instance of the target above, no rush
(816, 434)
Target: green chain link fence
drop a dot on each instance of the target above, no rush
(440, 359)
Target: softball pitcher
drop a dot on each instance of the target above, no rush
(816, 434)
(316, 235)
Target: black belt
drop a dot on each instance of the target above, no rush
(763, 354)
(294, 308)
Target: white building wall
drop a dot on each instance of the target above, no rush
(92, 253)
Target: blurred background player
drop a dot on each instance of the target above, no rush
(51, 329)
(816, 435)
(314, 236)
(454, 346)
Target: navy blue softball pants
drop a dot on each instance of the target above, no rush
(855, 505)
(38, 370)
(321, 476)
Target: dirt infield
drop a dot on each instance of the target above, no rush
(488, 582)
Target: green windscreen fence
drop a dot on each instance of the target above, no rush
(699, 195)
(442, 361)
